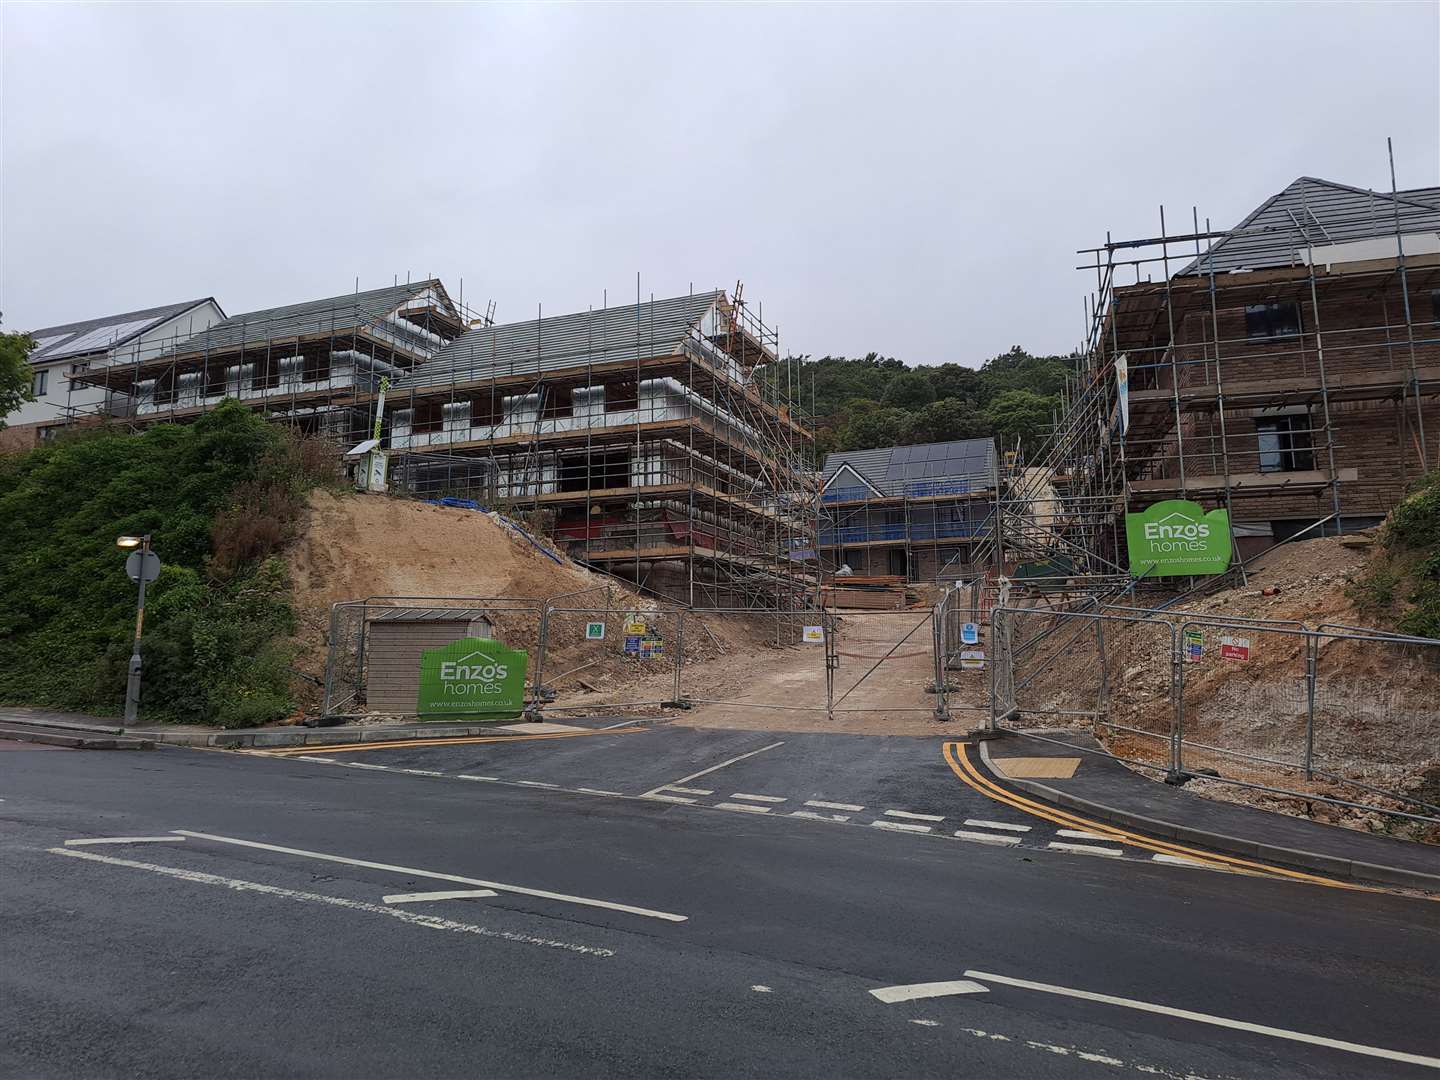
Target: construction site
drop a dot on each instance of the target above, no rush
(1287, 370)
(658, 440)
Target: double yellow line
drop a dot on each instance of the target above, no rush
(957, 755)
(459, 740)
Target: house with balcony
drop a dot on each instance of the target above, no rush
(912, 511)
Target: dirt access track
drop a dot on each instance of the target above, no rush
(885, 668)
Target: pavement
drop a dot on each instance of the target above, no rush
(1104, 788)
(189, 912)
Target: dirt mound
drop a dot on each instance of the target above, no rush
(357, 546)
(1374, 709)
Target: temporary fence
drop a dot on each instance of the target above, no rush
(1258, 703)
(605, 648)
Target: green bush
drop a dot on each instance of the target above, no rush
(214, 628)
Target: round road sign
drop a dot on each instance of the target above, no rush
(143, 563)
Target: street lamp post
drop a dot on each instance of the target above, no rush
(143, 566)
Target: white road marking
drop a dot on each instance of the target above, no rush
(899, 826)
(1106, 1059)
(597, 791)
(986, 838)
(1216, 1021)
(467, 776)
(715, 768)
(926, 1023)
(239, 885)
(819, 817)
(762, 989)
(742, 806)
(1179, 861)
(1085, 849)
(125, 840)
(689, 790)
(317, 760)
(533, 783)
(833, 805)
(915, 817)
(758, 798)
(426, 897)
(997, 825)
(1081, 834)
(668, 798)
(915, 991)
(365, 765)
(420, 772)
(412, 872)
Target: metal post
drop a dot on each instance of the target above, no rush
(1177, 694)
(1103, 706)
(132, 682)
(679, 653)
(1312, 649)
(540, 646)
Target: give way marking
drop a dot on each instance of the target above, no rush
(893, 994)
(410, 871)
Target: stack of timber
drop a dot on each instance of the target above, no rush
(879, 592)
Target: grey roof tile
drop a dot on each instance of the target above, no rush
(102, 334)
(1315, 212)
(623, 332)
(927, 469)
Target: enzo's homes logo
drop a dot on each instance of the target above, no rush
(1177, 532)
(464, 676)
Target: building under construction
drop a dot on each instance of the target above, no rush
(317, 364)
(915, 512)
(657, 439)
(1287, 370)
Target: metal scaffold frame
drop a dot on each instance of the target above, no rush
(1356, 376)
(681, 466)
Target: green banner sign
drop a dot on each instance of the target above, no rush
(472, 677)
(1178, 537)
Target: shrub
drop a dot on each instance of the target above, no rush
(217, 496)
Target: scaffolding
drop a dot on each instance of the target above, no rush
(660, 440)
(1285, 370)
(914, 512)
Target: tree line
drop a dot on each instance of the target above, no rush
(865, 402)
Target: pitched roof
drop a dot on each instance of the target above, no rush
(944, 468)
(334, 314)
(624, 332)
(1312, 212)
(103, 334)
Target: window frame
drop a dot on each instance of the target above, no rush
(1264, 322)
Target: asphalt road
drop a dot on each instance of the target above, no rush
(632, 936)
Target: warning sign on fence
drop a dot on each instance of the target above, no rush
(1194, 645)
(969, 633)
(971, 660)
(814, 635)
(594, 631)
(1235, 648)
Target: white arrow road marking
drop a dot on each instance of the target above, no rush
(239, 885)
(126, 840)
(1206, 1018)
(426, 897)
(915, 991)
(410, 871)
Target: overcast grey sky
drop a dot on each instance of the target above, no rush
(911, 180)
